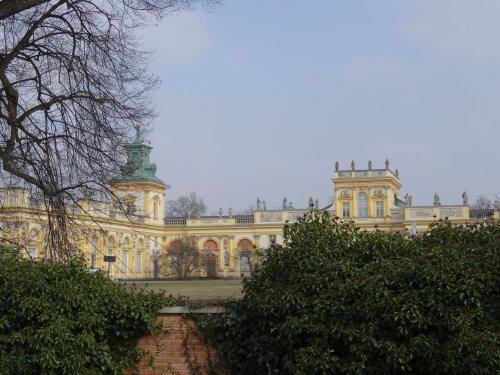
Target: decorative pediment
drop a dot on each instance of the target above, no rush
(345, 194)
(378, 193)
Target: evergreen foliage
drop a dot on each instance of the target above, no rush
(60, 319)
(335, 300)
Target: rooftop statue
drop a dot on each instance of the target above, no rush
(465, 198)
(436, 200)
(138, 132)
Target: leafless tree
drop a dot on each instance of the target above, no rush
(482, 203)
(183, 259)
(9, 8)
(186, 206)
(496, 202)
(249, 211)
(485, 203)
(73, 81)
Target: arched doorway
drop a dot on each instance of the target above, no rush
(210, 250)
(245, 253)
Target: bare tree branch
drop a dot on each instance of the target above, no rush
(73, 82)
(186, 206)
(482, 203)
(184, 259)
(9, 8)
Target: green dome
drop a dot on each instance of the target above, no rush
(138, 167)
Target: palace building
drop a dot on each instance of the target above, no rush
(145, 242)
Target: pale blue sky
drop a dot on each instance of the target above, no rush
(260, 98)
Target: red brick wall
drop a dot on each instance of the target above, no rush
(177, 350)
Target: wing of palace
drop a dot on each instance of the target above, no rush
(135, 230)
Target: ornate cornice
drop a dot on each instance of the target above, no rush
(138, 185)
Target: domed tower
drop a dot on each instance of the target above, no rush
(139, 190)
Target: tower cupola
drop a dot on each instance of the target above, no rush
(141, 193)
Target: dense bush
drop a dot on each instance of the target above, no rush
(60, 319)
(336, 300)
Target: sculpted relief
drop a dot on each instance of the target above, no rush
(378, 193)
(345, 194)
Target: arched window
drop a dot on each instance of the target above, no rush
(245, 244)
(210, 248)
(362, 205)
(156, 206)
(175, 245)
(33, 244)
(175, 249)
(125, 252)
(210, 245)
(245, 247)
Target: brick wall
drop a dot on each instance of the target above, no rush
(177, 350)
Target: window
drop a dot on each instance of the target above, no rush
(346, 212)
(362, 205)
(94, 250)
(245, 247)
(111, 249)
(245, 259)
(128, 202)
(156, 205)
(173, 262)
(380, 209)
(138, 262)
(124, 260)
(124, 265)
(32, 246)
(138, 256)
(32, 251)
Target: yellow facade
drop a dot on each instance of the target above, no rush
(136, 231)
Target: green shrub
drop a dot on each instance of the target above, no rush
(334, 300)
(60, 319)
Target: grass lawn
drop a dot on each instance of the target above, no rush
(209, 289)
